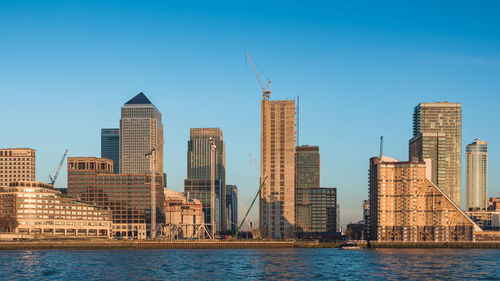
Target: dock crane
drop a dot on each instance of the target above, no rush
(53, 179)
(266, 92)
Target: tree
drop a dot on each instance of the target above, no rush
(8, 223)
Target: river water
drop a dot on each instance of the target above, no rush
(253, 264)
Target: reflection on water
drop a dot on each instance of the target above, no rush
(254, 264)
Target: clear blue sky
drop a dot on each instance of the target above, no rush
(67, 67)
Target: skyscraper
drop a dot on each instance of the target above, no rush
(437, 135)
(307, 166)
(110, 147)
(476, 189)
(232, 207)
(141, 130)
(277, 157)
(198, 162)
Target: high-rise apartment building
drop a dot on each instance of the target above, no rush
(128, 196)
(406, 206)
(307, 166)
(141, 130)
(437, 135)
(476, 175)
(277, 157)
(198, 162)
(17, 164)
(232, 207)
(110, 147)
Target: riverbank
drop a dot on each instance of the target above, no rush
(207, 244)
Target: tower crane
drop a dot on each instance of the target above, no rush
(266, 92)
(153, 187)
(53, 179)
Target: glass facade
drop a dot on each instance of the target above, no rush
(316, 210)
(200, 189)
(110, 147)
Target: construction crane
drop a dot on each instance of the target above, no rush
(266, 92)
(255, 197)
(381, 146)
(53, 179)
(153, 187)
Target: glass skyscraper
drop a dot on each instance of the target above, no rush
(437, 136)
(198, 162)
(110, 147)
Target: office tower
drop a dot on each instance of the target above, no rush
(17, 164)
(200, 189)
(198, 161)
(316, 212)
(476, 175)
(437, 135)
(110, 147)
(307, 166)
(141, 130)
(45, 211)
(232, 207)
(277, 158)
(405, 206)
(128, 196)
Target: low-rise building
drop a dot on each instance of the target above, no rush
(41, 210)
(494, 204)
(183, 216)
(487, 220)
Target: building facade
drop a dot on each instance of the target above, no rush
(406, 206)
(183, 216)
(277, 164)
(141, 130)
(437, 135)
(487, 220)
(307, 167)
(110, 147)
(128, 196)
(198, 161)
(200, 189)
(232, 207)
(316, 212)
(476, 175)
(42, 211)
(494, 204)
(17, 164)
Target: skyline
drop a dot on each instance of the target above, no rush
(64, 83)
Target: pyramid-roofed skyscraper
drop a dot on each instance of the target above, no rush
(141, 130)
